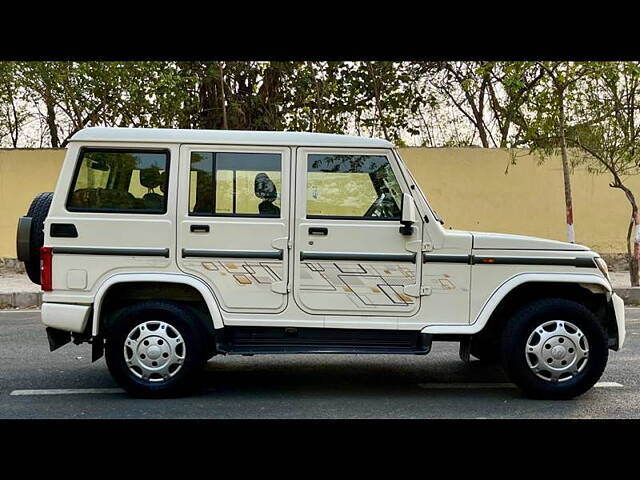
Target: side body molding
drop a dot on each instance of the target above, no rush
(200, 286)
(508, 285)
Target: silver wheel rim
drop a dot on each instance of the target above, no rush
(154, 351)
(557, 351)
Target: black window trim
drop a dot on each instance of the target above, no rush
(214, 181)
(84, 150)
(353, 217)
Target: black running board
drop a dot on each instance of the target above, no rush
(288, 340)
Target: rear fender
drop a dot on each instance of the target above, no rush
(200, 286)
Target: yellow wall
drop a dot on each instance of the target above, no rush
(23, 174)
(469, 189)
(466, 186)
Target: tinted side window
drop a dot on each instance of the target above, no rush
(352, 186)
(120, 181)
(235, 184)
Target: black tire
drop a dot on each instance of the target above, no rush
(523, 323)
(38, 211)
(179, 317)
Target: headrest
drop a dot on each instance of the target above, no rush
(163, 182)
(150, 177)
(265, 188)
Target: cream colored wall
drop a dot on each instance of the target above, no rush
(469, 189)
(467, 186)
(23, 174)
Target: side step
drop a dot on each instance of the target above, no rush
(287, 340)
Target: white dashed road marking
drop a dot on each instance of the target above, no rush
(473, 386)
(66, 391)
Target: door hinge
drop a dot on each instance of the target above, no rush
(416, 290)
(418, 246)
(281, 243)
(279, 287)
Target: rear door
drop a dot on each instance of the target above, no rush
(233, 223)
(349, 255)
(113, 216)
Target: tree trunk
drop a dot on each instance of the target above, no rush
(633, 261)
(51, 118)
(571, 236)
(376, 93)
(14, 127)
(223, 99)
(634, 255)
(633, 233)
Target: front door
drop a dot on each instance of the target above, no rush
(350, 257)
(233, 223)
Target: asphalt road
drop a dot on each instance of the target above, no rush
(35, 383)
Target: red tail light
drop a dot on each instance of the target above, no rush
(46, 273)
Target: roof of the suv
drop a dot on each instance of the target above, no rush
(245, 137)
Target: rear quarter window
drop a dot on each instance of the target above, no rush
(120, 181)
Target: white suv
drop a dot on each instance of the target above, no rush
(163, 248)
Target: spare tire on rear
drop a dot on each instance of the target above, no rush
(30, 237)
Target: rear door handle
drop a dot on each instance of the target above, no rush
(318, 231)
(199, 228)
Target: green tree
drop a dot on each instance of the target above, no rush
(607, 132)
(13, 115)
(510, 87)
(550, 107)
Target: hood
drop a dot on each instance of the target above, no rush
(504, 241)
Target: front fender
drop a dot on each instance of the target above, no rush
(199, 285)
(508, 285)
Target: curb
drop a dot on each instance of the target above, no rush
(630, 295)
(20, 299)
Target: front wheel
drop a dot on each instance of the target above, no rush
(155, 349)
(554, 349)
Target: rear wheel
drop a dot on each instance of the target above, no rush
(554, 348)
(155, 349)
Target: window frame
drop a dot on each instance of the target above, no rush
(78, 166)
(191, 151)
(346, 152)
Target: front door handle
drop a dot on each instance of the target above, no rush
(199, 228)
(318, 231)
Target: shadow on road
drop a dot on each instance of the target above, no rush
(331, 374)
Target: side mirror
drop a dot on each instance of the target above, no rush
(408, 217)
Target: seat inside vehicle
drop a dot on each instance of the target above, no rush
(266, 190)
(151, 178)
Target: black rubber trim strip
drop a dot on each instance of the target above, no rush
(365, 257)
(437, 258)
(581, 262)
(127, 252)
(275, 254)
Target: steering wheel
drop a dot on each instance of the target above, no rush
(383, 207)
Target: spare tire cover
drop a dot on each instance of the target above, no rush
(38, 212)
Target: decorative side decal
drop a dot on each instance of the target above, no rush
(260, 274)
(365, 284)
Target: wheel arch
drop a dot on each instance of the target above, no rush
(522, 288)
(180, 280)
